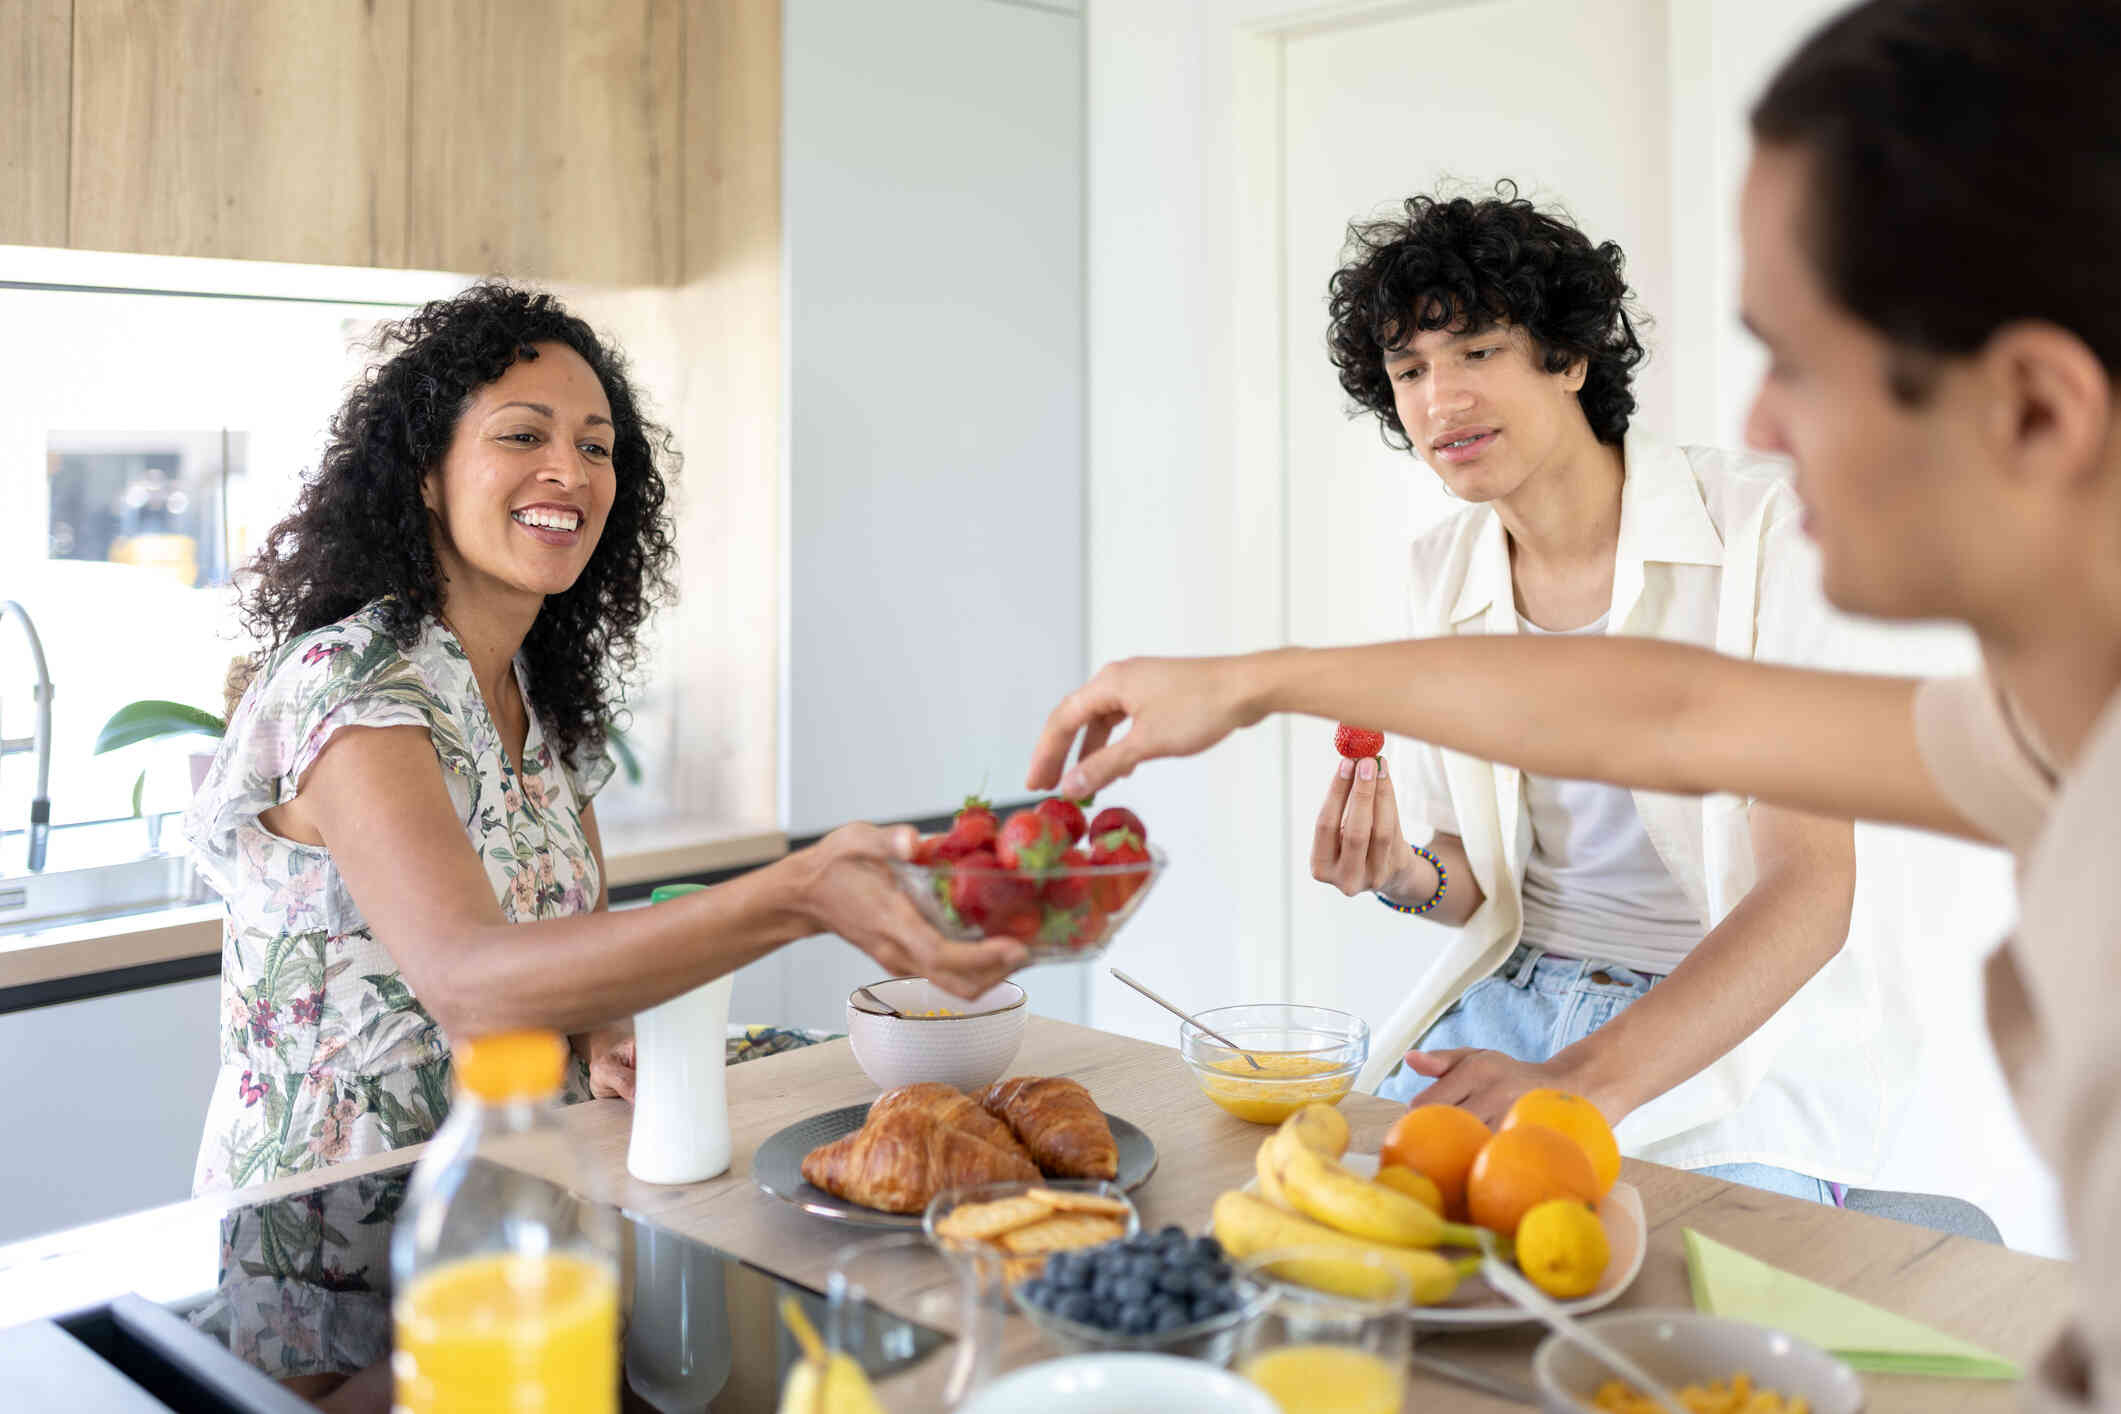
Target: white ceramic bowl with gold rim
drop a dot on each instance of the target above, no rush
(938, 1037)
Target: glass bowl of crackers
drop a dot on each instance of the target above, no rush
(1026, 1223)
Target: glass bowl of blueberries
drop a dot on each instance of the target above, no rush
(1163, 1291)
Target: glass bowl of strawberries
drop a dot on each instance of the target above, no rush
(1061, 881)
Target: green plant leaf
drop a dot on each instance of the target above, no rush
(146, 721)
(139, 787)
(616, 740)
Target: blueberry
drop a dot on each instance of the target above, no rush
(1202, 1280)
(1102, 1286)
(1169, 1318)
(1170, 1231)
(1035, 1292)
(1136, 1318)
(1201, 1308)
(1141, 1242)
(1133, 1289)
(1076, 1306)
(1207, 1249)
(1068, 1272)
(1176, 1281)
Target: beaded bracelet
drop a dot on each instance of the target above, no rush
(1443, 882)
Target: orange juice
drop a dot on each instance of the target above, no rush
(1327, 1379)
(1279, 1088)
(509, 1333)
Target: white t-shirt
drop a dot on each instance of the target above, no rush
(1594, 885)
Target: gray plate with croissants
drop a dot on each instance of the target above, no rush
(878, 1165)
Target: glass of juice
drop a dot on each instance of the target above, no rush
(1336, 1334)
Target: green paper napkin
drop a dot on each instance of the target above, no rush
(1729, 1283)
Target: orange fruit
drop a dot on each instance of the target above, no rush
(1522, 1167)
(1439, 1142)
(1576, 1117)
(1418, 1186)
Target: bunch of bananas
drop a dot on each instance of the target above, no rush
(1306, 1199)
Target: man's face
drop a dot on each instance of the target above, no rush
(1895, 495)
(1481, 409)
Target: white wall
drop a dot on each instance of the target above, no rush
(933, 210)
(1191, 546)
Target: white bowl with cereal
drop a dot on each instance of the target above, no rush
(936, 1036)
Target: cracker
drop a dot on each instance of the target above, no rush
(1020, 1269)
(979, 1222)
(1062, 1232)
(1060, 1200)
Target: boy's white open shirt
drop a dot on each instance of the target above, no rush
(1711, 552)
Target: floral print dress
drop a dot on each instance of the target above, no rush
(325, 1052)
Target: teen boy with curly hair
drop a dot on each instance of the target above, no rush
(1676, 961)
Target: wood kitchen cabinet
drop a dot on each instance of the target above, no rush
(231, 128)
(34, 83)
(574, 140)
(545, 139)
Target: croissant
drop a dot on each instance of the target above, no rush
(952, 1107)
(909, 1150)
(1059, 1123)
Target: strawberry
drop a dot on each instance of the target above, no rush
(1025, 921)
(1355, 743)
(929, 849)
(1110, 892)
(1066, 814)
(983, 893)
(1068, 888)
(975, 825)
(1029, 840)
(1118, 817)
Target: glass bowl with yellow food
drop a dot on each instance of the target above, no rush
(1306, 1055)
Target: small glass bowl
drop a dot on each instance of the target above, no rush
(1059, 913)
(940, 1205)
(1214, 1340)
(1308, 1054)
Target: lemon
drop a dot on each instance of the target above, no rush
(1561, 1246)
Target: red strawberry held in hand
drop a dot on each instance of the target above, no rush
(1118, 817)
(1066, 814)
(1356, 743)
(1029, 840)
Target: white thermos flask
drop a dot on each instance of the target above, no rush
(680, 1098)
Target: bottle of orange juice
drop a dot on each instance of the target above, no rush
(506, 1290)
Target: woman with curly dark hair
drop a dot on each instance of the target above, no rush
(1611, 944)
(400, 817)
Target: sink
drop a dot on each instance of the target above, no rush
(60, 896)
(92, 871)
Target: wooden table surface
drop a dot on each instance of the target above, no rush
(2007, 1301)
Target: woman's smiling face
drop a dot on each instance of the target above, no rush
(520, 499)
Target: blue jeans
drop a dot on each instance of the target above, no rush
(1535, 1005)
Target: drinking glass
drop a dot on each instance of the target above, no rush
(1317, 1350)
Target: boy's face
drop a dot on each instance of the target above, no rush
(1480, 408)
(1898, 497)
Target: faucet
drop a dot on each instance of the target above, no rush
(40, 805)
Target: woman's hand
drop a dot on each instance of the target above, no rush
(1489, 1082)
(609, 1051)
(1357, 844)
(1173, 707)
(849, 890)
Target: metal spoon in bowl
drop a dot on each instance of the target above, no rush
(880, 1003)
(1504, 1278)
(1213, 1035)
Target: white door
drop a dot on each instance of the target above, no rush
(1568, 99)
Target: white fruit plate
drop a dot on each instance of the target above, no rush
(1478, 1306)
